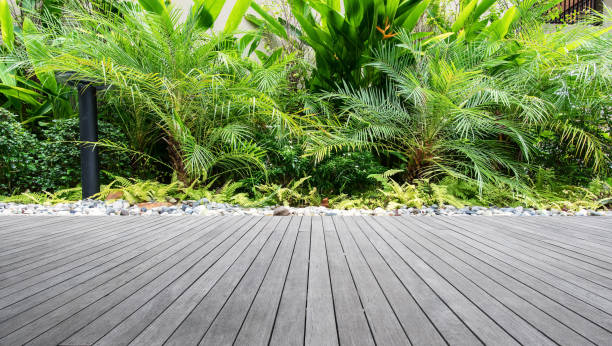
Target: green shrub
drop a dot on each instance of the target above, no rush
(18, 157)
(53, 163)
(60, 153)
(346, 173)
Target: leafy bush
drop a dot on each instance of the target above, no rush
(53, 163)
(346, 173)
(60, 154)
(19, 161)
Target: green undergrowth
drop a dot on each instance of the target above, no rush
(389, 194)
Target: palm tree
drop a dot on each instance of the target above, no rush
(440, 112)
(182, 85)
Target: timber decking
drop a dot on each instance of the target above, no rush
(305, 280)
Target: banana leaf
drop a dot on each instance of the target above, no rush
(236, 15)
(6, 25)
(25, 95)
(155, 6)
(205, 12)
(464, 15)
(37, 52)
(273, 24)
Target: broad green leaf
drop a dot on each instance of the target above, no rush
(438, 38)
(155, 6)
(273, 58)
(25, 95)
(464, 15)
(274, 25)
(256, 21)
(6, 24)
(499, 28)
(205, 12)
(334, 4)
(391, 9)
(302, 14)
(236, 15)
(261, 55)
(414, 14)
(37, 52)
(353, 10)
(6, 77)
(482, 8)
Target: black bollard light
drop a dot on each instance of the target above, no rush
(88, 126)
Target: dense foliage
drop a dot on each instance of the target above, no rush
(50, 161)
(364, 102)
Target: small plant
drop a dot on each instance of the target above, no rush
(290, 195)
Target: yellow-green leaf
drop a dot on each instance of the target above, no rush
(236, 15)
(6, 24)
(155, 6)
(464, 15)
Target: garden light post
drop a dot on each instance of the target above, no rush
(88, 131)
(88, 126)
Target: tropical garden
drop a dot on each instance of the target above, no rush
(349, 104)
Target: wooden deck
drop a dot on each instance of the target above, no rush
(305, 280)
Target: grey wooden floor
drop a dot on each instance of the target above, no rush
(302, 280)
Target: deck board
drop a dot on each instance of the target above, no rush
(305, 280)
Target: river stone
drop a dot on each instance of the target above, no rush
(281, 211)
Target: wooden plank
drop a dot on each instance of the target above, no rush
(257, 326)
(545, 233)
(386, 328)
(290, 323)
(61, 294)
(554, 227)
(454, 331)
(529, 308)
(463, 280)
(40, 255)
(15, 243)
(46, 264)
(564, 248)
(555, 290)
(583, 263)
(415, 322)
(533, 268)
(172, 318)
(481, 324)
(111, 291)
(47, 232)
(62, 244)
(513, 324)
(22, 226)
(524, 252)
(320, 318)
(597, 225)
(352, 324)
(34, 284)
(561, 311)
(71, 291)
(127, 319)
(226, 325)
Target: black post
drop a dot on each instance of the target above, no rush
(88, 116)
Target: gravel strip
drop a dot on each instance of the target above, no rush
(204, 207)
